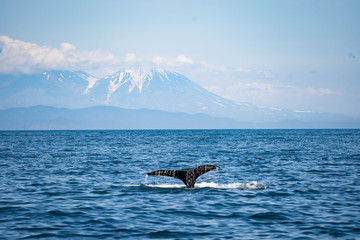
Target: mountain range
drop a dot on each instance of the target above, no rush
(134, 90)
(105, 117)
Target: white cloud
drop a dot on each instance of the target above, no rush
(266, 93)
(213, 68)
(259, 87)
(158, 61)
(319, 91)
(66, 47)
(182, 59)
(26, 57)
(130, 57)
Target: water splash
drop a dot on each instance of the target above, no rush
(145, 180)
(251, 185)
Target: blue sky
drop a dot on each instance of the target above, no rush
(299, 54)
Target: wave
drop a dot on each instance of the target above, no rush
(251, 185)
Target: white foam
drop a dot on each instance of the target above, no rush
(251, 185)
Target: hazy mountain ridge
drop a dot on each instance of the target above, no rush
(108, 117)
(55, 88)
(105, 117)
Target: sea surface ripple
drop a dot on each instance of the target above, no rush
(272, 184)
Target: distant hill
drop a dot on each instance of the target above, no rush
(107, 117)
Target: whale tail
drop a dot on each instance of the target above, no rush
(187, 176)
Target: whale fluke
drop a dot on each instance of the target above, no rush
(187, 176)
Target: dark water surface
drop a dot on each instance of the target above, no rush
(287, 184)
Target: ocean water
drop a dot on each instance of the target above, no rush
(272, 184)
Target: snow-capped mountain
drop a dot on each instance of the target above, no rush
(135, 88)
(168, 91)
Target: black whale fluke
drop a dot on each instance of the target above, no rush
(187, 176)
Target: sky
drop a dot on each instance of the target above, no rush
(299, 54)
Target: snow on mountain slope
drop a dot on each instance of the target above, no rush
(54, 88)
(168, 91)
(72, 78)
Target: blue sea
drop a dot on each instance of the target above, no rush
(272, 184)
